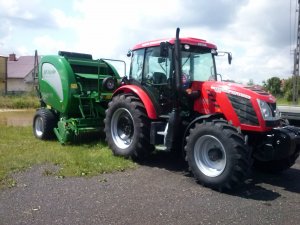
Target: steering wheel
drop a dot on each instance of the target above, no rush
(149, 78)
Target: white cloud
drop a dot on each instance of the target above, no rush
(62, 20)
(256, 31)
(49, 44)
(260, 42)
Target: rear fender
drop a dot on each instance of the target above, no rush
(151, 111)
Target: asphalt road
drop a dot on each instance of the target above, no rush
(160, 192)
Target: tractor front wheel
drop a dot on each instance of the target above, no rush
(127, 127)
(217, 155)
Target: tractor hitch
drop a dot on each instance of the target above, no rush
(280, 143)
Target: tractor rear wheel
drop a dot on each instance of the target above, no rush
(44, 123)
(127, 127)
(217, 155)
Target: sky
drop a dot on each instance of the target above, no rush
(259, 33)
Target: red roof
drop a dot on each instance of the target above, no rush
(21, 67)
(187, 40)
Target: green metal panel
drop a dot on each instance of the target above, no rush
(55, 79)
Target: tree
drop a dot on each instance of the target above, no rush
(288, 89)
(250, 82)
(273, 85)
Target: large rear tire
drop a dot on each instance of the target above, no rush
(127, 127)
(44, 122)
(217, 155)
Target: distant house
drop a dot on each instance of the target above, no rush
(20, 74)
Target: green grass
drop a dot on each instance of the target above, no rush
(19, 150)
(283, 101)
(19, 101)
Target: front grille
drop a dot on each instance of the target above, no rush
(244, 110)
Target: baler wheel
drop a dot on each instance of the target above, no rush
(217, 155)
(127, 127)
(44, 123)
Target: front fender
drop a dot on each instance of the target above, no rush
(151, 112)
(200, 119)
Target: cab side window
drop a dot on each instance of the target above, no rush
(156, 68)
(137, 62)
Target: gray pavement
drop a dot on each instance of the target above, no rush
(292, 113)
(160, 192)
(289, 108)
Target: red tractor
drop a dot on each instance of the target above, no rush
(173, 100)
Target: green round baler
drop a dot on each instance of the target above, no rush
(74, 91)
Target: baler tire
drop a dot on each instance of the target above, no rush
(217, 155)
(44, 123)
(127, 127)
(276, 166)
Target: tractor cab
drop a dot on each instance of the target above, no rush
(153, 69)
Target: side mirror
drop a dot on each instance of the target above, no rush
(164, 49)
(129, 53)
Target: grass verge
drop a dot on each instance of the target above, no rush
(283, 101)
(25, 101)
(19, 150)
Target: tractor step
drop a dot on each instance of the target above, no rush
(167, 116)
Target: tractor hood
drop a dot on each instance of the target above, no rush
(248, 107)
(244, 91)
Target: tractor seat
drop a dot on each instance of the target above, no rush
(159, 78)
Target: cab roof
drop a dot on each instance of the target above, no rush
(184, 40)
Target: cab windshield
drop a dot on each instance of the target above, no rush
(198, 63)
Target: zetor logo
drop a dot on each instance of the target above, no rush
(228, 91)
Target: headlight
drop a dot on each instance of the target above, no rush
(266, 111)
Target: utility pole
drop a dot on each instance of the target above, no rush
(35, 71)
(296, 60)
(36, 65)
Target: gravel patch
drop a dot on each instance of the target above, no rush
(160, 192)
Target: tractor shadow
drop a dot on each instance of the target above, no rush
(259, 186)
(268, 187)
(166, 160)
